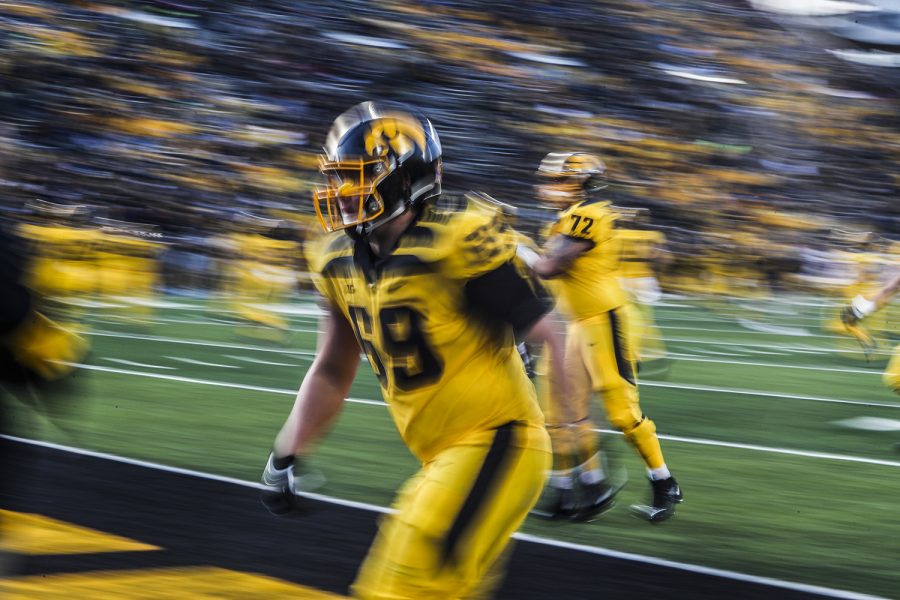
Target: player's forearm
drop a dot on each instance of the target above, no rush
(561, 253)
(543, 267)
(887, 292)
(318, 403)
(862, 306)
(550, 267)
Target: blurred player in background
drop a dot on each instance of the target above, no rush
(260, 275)
(62, 268)
(428, 289)
(861, 270)
(859, 309)
(643, 252)
(583, 255)
(128, 269)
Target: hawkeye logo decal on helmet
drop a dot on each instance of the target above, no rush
(396, 134)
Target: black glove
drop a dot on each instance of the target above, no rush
(527, 359)
(281, 493)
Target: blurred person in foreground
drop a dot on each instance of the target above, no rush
(428, 290)
(36, 354)
(583, 256)
(860, 308)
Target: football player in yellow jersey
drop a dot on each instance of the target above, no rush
(429, 292)
(260, 274)
(64, 266)
(860, 308)
(642, 250)
(127, 258)
(583, 255)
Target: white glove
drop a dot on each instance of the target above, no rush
(527, 255)
(862, 307)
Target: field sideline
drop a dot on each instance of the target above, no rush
(568, 570)
(782, 441)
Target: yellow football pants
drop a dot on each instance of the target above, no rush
(607, 351)
(454, 518)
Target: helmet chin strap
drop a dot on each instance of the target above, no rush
(365, 229)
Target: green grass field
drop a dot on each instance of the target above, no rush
(774, 486)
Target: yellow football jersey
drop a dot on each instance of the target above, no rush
(590, 286)
(446, 373)
(637, 251)
(126, 265)
(63, 259)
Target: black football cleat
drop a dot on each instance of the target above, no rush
(666, 494)
(594, 500)
(557, 504)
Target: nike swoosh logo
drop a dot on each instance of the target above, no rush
(395, 286)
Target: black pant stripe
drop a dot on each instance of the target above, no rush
(490, 472)
(622, 363)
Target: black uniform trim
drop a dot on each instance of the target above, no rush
(503, 294)
(623, 365)
(337, 266)
(394, 265)
(417, 236)
(495, 461)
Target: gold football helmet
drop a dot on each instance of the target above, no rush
(570, 177)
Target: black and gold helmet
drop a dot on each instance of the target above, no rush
(380, 160)
(570, 177)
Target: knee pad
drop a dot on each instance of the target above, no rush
(562, 439)
(640, 429)
(622, 408)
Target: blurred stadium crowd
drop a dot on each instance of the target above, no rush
(159, 125)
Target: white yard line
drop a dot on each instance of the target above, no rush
(311, 355)
(758, 327)
(736, 331)
(742, 392)
(201, 363)
(168, 340)
(770, 449)
(595, 550)
(751, 350)
(132, 363)
(368, 402)
(218, 324)
(717, 353)
(686, 358)
(197, 381)
(885, 352)
(257, 361)
(869, 424)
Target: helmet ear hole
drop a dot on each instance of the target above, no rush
(395, 188)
